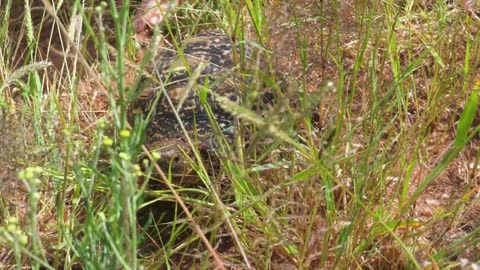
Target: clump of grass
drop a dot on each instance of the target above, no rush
(290, 191)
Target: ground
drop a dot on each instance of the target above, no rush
(330, 37)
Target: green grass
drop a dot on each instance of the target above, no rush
(397, 99)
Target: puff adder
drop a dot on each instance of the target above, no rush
(206, 63)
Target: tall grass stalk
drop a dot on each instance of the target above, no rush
(347, 192)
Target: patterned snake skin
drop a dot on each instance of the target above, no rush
(205, 64)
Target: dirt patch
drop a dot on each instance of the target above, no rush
(14, 147)
(329, 31)
(307, 38)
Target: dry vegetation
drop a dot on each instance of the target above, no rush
(368, 159)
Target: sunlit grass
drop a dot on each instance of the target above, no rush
(398, 106)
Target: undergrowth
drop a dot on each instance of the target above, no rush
(332, 177)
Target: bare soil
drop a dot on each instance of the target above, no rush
(313, 23)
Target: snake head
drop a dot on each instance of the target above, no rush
(151, 13)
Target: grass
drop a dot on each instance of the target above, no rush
(367, 158)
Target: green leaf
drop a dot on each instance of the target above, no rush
(202, 94)
(466, 119)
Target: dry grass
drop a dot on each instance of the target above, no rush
(367, 159)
